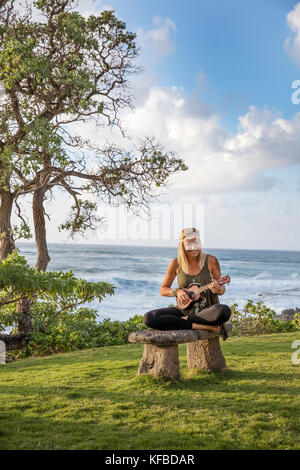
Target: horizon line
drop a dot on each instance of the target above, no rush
(155, 246)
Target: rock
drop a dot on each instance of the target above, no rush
(160, 360)
(287, 314)
(8, 358)
(169, 337)
(206, 355)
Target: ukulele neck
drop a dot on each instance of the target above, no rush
(203, 288)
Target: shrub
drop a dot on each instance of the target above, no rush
(258, 319)
(56, 332)
(296, 319)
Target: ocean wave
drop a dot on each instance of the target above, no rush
(292, 289)
(135, 283)
(263, 275)
(279, 293)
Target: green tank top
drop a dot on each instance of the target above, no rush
(203, 278)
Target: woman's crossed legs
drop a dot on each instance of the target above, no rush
(171, 318)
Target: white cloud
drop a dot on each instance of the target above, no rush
(267, 139)
(292, 43)
(84, 7)
(89, 7)
(156, 43)
(218, 161)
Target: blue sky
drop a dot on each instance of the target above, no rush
(238, 44)
(216, 89)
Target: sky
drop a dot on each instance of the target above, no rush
(217, 88)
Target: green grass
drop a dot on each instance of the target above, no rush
(93, 399)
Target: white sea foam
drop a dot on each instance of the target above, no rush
(263, 275)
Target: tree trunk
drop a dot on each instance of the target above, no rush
(7, 244)
(24, 319)
(43, 257)
(16, 341)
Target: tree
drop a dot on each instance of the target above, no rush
(63, 70)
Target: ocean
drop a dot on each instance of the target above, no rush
(271, 277)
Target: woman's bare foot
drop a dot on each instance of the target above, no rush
(197, 326)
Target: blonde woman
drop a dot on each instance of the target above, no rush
(192, 266)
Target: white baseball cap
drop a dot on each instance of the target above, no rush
(189, 233)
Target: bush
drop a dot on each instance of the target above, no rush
(258, 319)
(296, 319)
(53, 332)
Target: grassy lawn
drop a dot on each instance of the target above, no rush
(93, 399)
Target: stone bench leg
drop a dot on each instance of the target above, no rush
(206, 355)
(160, 360)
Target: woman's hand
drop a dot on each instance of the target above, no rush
(182, 296)
(216, 288)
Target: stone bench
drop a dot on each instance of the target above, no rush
(161, 355)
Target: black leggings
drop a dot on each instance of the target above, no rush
(170, 318)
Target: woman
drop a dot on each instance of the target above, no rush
(191, 266)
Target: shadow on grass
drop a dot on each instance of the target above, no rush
(125, 420)
(251, 389)
(19, 432)
(251, 380)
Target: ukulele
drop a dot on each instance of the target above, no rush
(195, 292)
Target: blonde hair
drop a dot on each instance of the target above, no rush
(182, 258)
